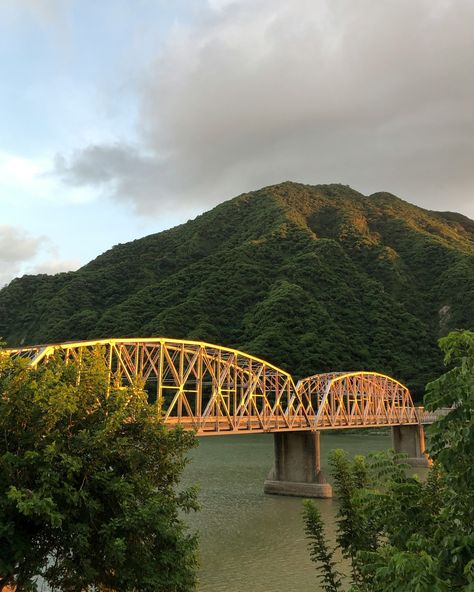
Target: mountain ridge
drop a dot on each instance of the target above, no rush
(312, 278)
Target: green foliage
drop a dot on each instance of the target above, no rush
(402, 534)
(318, 548)
(355, 530)
(452, 437)
(89, 483)
(313, 278)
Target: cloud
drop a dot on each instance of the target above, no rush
(16, 245)
(30, 179)
(16, 248)
(20, 253)
(375, 95)
(120, 169)
(47, 12)
(55, 265)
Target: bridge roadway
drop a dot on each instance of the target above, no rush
(215, 390)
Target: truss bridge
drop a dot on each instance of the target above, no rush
(216, 390)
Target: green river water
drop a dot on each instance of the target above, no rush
(250, 541)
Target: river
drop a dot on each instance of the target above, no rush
(250, 541)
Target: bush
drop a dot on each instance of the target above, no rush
(401, 534)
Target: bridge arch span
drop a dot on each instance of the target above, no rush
(356, 399)
(219, 390)
(209, 388)
(216, 390)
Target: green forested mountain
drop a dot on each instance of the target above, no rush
(311, 278)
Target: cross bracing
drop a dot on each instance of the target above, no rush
(217, 390)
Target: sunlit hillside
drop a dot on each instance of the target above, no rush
(312, 278)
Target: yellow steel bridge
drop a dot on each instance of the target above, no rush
(219, 390)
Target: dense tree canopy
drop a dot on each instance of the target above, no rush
(401, 534)
(89, 483)
(312, 278)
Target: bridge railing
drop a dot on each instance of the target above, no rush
(215, 389)
(428, 417)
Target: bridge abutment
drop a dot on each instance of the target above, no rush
(410, 439)
(297, 466)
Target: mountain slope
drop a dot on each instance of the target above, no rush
(312, 278)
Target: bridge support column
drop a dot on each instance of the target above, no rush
(410, 439)
(297, 468)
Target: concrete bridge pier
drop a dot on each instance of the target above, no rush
(410, 439)
(297, 468)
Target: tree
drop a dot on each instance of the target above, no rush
(89, 483)
(399, 533)
(319, 550)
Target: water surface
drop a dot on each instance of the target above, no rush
(250, 540)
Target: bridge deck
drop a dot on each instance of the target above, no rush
(218, 390)
(213, 427)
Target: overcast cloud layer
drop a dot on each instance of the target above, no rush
(163, 109)
(378, 95)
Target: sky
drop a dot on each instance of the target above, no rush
(121, 118)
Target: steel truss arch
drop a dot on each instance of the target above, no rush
(217, 390)
(201, 386)
(356, 399)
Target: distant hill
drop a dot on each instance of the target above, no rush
(311, 278)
